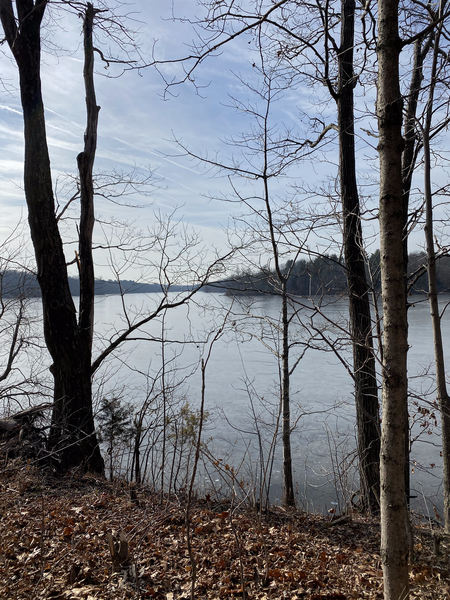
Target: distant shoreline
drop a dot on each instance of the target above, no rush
(16, 283)
(22, 283)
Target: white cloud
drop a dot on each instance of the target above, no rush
(12, 167)
(9, 109)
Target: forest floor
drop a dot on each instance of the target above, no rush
(54, 545)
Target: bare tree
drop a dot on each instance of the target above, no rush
(364, 372)
(436, 78)
(270, 231)
(69, 337)
(302, 41)
(266, 234)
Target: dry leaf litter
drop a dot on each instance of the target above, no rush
(54, 545)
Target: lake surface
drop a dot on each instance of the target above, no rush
(242, 383)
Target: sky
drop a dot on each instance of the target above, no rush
(135, 130)
(138, 124)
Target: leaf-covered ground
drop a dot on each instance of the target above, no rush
(54, 544)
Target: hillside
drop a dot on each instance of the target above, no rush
(55, 545)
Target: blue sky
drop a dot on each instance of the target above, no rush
(137, 127)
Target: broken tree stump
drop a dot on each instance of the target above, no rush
(119, 552)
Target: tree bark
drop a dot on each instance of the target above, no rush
(366, 392)
(394, 515)
(73, 432)
(85, 167)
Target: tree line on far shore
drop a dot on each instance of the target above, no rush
(319, 276)
(16, 283)
(326, 275)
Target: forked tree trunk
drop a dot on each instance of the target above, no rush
(73, 432)
(366, 392)
(394, 515)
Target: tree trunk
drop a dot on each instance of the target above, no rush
(394, 515)
(85, 167)
(409, 157)
(441, 385)
(410, 150)
(366, 392)
(442, 396)
(73, 432)
(289, 497)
